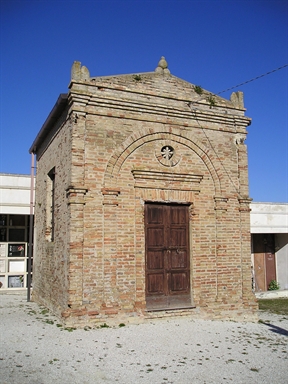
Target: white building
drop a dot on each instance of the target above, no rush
(269, 233)
(14, 229)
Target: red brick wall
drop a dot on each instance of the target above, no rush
(108, 158)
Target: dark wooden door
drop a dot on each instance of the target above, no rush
(264, 261)
(259, 272)
(270, 259)
(167, 256)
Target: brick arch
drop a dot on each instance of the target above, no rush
(138, 139)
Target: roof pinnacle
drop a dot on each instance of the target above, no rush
(162, 66)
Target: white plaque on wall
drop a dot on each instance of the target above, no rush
(17, 266)
(2, 266)
(2, 250)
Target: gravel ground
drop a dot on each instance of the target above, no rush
(35, 349)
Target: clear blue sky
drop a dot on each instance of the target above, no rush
(214, 43)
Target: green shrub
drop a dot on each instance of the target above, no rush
(273, 286)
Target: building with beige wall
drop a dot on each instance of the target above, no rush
(269, 235)
(142, 203)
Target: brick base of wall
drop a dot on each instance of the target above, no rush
(82, 317)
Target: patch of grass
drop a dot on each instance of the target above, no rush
(69, 329)
(277, 306)
(44, 311)
(49, 322)
(104, 326)
(32, 312)
(53, 361)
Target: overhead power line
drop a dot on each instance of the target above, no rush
(255, 78)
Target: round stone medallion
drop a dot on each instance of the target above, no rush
(166, 154)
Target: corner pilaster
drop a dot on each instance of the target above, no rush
(110, 291)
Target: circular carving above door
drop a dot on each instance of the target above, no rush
(167, 154)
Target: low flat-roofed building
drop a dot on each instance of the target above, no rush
(269, 235)
(14, 230)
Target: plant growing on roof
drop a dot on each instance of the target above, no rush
(137, 77)
(211, 100)
(198, 89)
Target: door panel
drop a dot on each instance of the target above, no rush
(167, 256)
(156, 237)
(264, 261)
(155, 260)
(178, 282)
(178, 237)
(155, 283)
(155, 216)
(178, 215)
(270, 268)
(259, 269)
(269, 258)
(178, 259)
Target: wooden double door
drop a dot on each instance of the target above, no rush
(167, 256)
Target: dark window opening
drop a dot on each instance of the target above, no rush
(51, 175)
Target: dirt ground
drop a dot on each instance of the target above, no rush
(36, 349)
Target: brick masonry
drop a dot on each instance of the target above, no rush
(104, 139)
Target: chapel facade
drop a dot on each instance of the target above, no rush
(142, 202)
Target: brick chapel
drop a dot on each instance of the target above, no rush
(142, 202)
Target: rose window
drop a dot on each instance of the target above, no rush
(167, 152)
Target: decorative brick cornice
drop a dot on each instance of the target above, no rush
(110, 196)
(244, 204)
(76, 195)
(139, 104)
(110, 191)
(166, 180)
(220, 203)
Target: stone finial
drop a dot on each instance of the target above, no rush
(237, 99)
(163, 63)
(79, 72)
(162, 66)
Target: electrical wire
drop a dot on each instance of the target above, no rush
(216, 153)
(255, 78)
(207, 137)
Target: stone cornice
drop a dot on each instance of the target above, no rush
(166, 180)
(148, 111)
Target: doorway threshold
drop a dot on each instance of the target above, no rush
(168, 303)
(170, 308)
